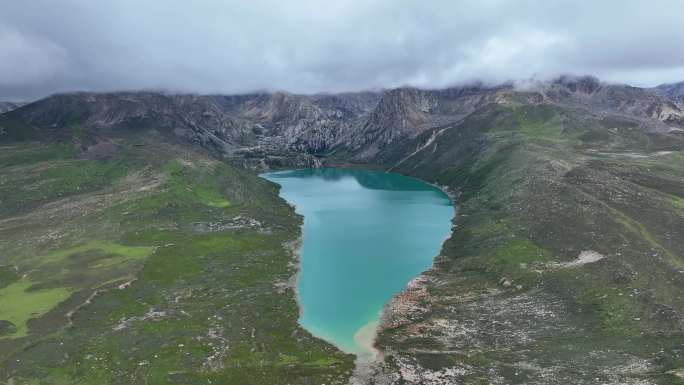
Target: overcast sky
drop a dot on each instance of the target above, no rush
(49, 46)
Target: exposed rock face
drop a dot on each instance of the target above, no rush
(674, 91)
(577, 85)
(638, 102)
(309, 124)
(590, 94)
(193, 117)
(275, 123)
(405, 113)
(401, 112)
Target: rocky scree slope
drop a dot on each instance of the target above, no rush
(674, 91)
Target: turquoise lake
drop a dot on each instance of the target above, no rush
(366, 234)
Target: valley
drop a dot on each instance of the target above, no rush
(144, 248)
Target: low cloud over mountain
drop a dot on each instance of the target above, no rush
(315, 46)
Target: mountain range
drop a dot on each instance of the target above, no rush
(360, 124)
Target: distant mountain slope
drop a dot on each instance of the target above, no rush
(610, 98)
(674, 91)
(9, 106)
(259, 123)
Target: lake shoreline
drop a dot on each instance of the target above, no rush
(365, 337)
(365, 368)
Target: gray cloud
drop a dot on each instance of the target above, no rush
(309, 46)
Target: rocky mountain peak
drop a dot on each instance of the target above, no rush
(673, 91)
(279, 107)
(401, 112)
(577, 84)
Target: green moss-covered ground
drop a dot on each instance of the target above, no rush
(18, 304)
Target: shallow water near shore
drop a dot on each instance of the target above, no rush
(366, 234)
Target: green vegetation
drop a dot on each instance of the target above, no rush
(205, 190)
(542, 185)
(44, 181)
(18, 304)
(125, 252)
(159, 265)
(33, 153)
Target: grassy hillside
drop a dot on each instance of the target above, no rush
(566, 264)
(147, 263)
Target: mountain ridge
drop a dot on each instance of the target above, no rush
(9, 106)
(319, 124)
